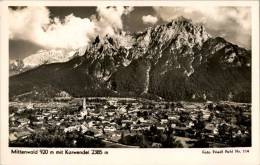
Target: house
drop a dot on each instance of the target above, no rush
(12, 118)
(23, 121)
(105, 122)
(101, 117)
(12, 137)
(100, 135)
(160, 128)
(39, 117)
(172, 118)
(191, 124)
(37, 122)
(206, 115)
(84, 112)
(109, 129)
(164, 121)
(135, 128)
(30, 106)
(72, 128)
(127, 121)
(95, 131)
(19, 135)
(21, 110)
(46, 114)
(83, 128)
(173, 125)
(23, 134)
(209, 128)
(110, 113)
(142, 120)
(156, 145)
(91, 124)
(115, 137)
(122, 110)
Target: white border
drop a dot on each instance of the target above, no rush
(131, 156)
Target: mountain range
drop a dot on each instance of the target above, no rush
(174, 61)
(41, 57)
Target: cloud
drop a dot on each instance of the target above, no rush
(112, 15)
(35, 25)
(233, 23)
(148, 19)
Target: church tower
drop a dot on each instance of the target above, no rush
(84, 104)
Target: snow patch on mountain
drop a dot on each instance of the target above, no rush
(52, 56)
(41, 57)
(47, 57)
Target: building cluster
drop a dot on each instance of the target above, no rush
(110, 119)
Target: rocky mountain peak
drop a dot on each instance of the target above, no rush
(180, 21)
(183, 30)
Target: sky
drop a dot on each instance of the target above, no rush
(36, 28)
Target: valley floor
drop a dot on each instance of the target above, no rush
(129, 122)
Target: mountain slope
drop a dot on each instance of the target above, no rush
(176, 61)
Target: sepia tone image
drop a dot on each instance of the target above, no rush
(129, 77)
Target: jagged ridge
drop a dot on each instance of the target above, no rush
(177, 61)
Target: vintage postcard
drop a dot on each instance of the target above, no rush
(138, 82)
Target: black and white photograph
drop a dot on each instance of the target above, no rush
(130, 76)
